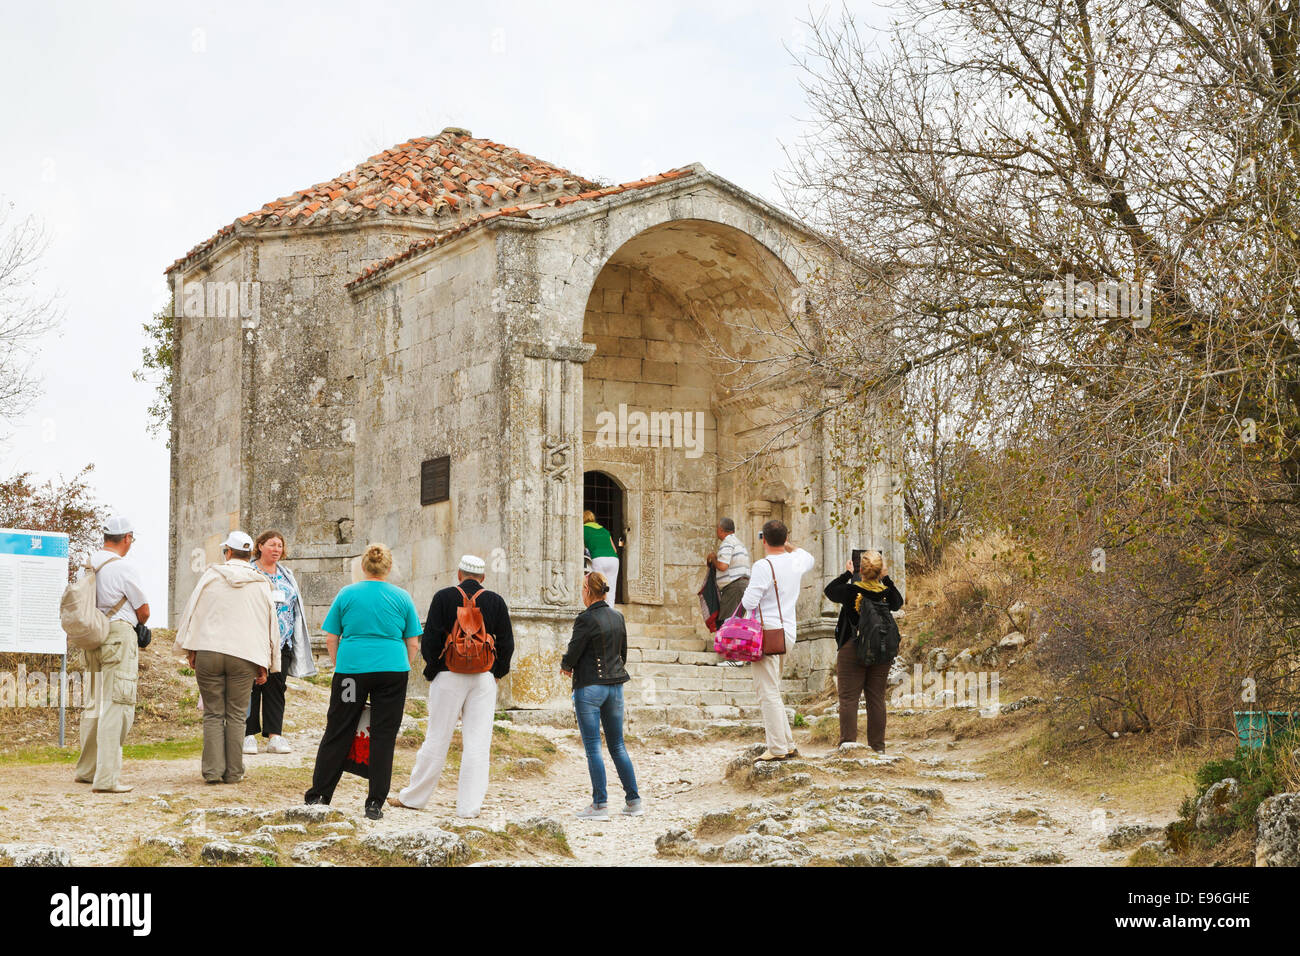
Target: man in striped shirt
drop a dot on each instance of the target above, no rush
(731, 563)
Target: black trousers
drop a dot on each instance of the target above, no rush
(386, 692)
(266, 706)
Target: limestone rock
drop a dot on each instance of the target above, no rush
(1128, 834)
(272, 829)
(1213, 805)
(675, 843)
(956, 775)
(870, 854)
(528, 765)
(933, 794)
(745, 760)
(35, 854)
(716, 821)
(424, 846)
(312, 813)
(1277, 825)
(1043, 856)
(547, 825)
(757, 848)
(224, 851)
(1012, 642)
(174, 845)
(708, 851)
(958, 843)
(217, 813)
(1021, 616)
(306, 852)
(1020, 704)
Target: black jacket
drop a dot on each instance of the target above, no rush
(598, 647)
(442, 618)
(844, 593)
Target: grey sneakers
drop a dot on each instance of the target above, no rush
(633, 808)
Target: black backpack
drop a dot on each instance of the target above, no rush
(877, 638)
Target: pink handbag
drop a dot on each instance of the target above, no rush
(739, 638)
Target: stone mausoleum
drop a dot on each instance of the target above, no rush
(455, 347)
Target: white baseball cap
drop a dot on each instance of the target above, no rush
(472, 564)
(238, 541)
(118, 524)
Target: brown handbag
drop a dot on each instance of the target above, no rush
(773, 638)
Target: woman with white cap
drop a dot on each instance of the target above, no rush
(229, 635)
(467, 646)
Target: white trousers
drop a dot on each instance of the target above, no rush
(471, 699)
(609, 568)
(767, 687)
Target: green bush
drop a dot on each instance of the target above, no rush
(1260, 774)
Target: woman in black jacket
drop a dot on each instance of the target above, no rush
(595, 661)
(868, 582)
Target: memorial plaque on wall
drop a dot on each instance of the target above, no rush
(435, 480)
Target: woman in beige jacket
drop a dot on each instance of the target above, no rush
(229, 635)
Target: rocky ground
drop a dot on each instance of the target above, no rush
(707, 802)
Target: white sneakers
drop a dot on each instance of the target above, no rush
(593, 812)
(275, 745)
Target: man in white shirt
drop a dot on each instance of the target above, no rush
(731, 565)
(114, 665)
(777, 573)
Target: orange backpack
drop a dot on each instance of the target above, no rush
(469, 649)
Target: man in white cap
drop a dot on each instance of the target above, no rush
(229, 634)
(462, 686)
(114, 665)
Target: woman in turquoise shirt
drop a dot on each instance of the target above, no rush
(372, 632)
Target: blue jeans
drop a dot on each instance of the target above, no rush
(597, 705)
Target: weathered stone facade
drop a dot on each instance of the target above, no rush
(498, 339)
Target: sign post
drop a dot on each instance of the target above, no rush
(33, 576)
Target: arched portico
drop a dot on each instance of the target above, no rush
(639, 358)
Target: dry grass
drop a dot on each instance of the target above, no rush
(960, 601)
(1142, 770)
(166, 706)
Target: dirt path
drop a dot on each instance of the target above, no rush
(928, 803)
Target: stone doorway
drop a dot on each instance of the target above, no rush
(605, 498)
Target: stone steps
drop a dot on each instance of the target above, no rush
(670, 668)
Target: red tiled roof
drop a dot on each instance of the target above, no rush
(447, 175)
(518, 210)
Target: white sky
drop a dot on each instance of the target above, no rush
(135, 130)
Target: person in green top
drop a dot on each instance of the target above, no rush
(372, 631)
(600, 544)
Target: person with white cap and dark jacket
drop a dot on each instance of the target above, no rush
(229, 635)
(462, 687)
